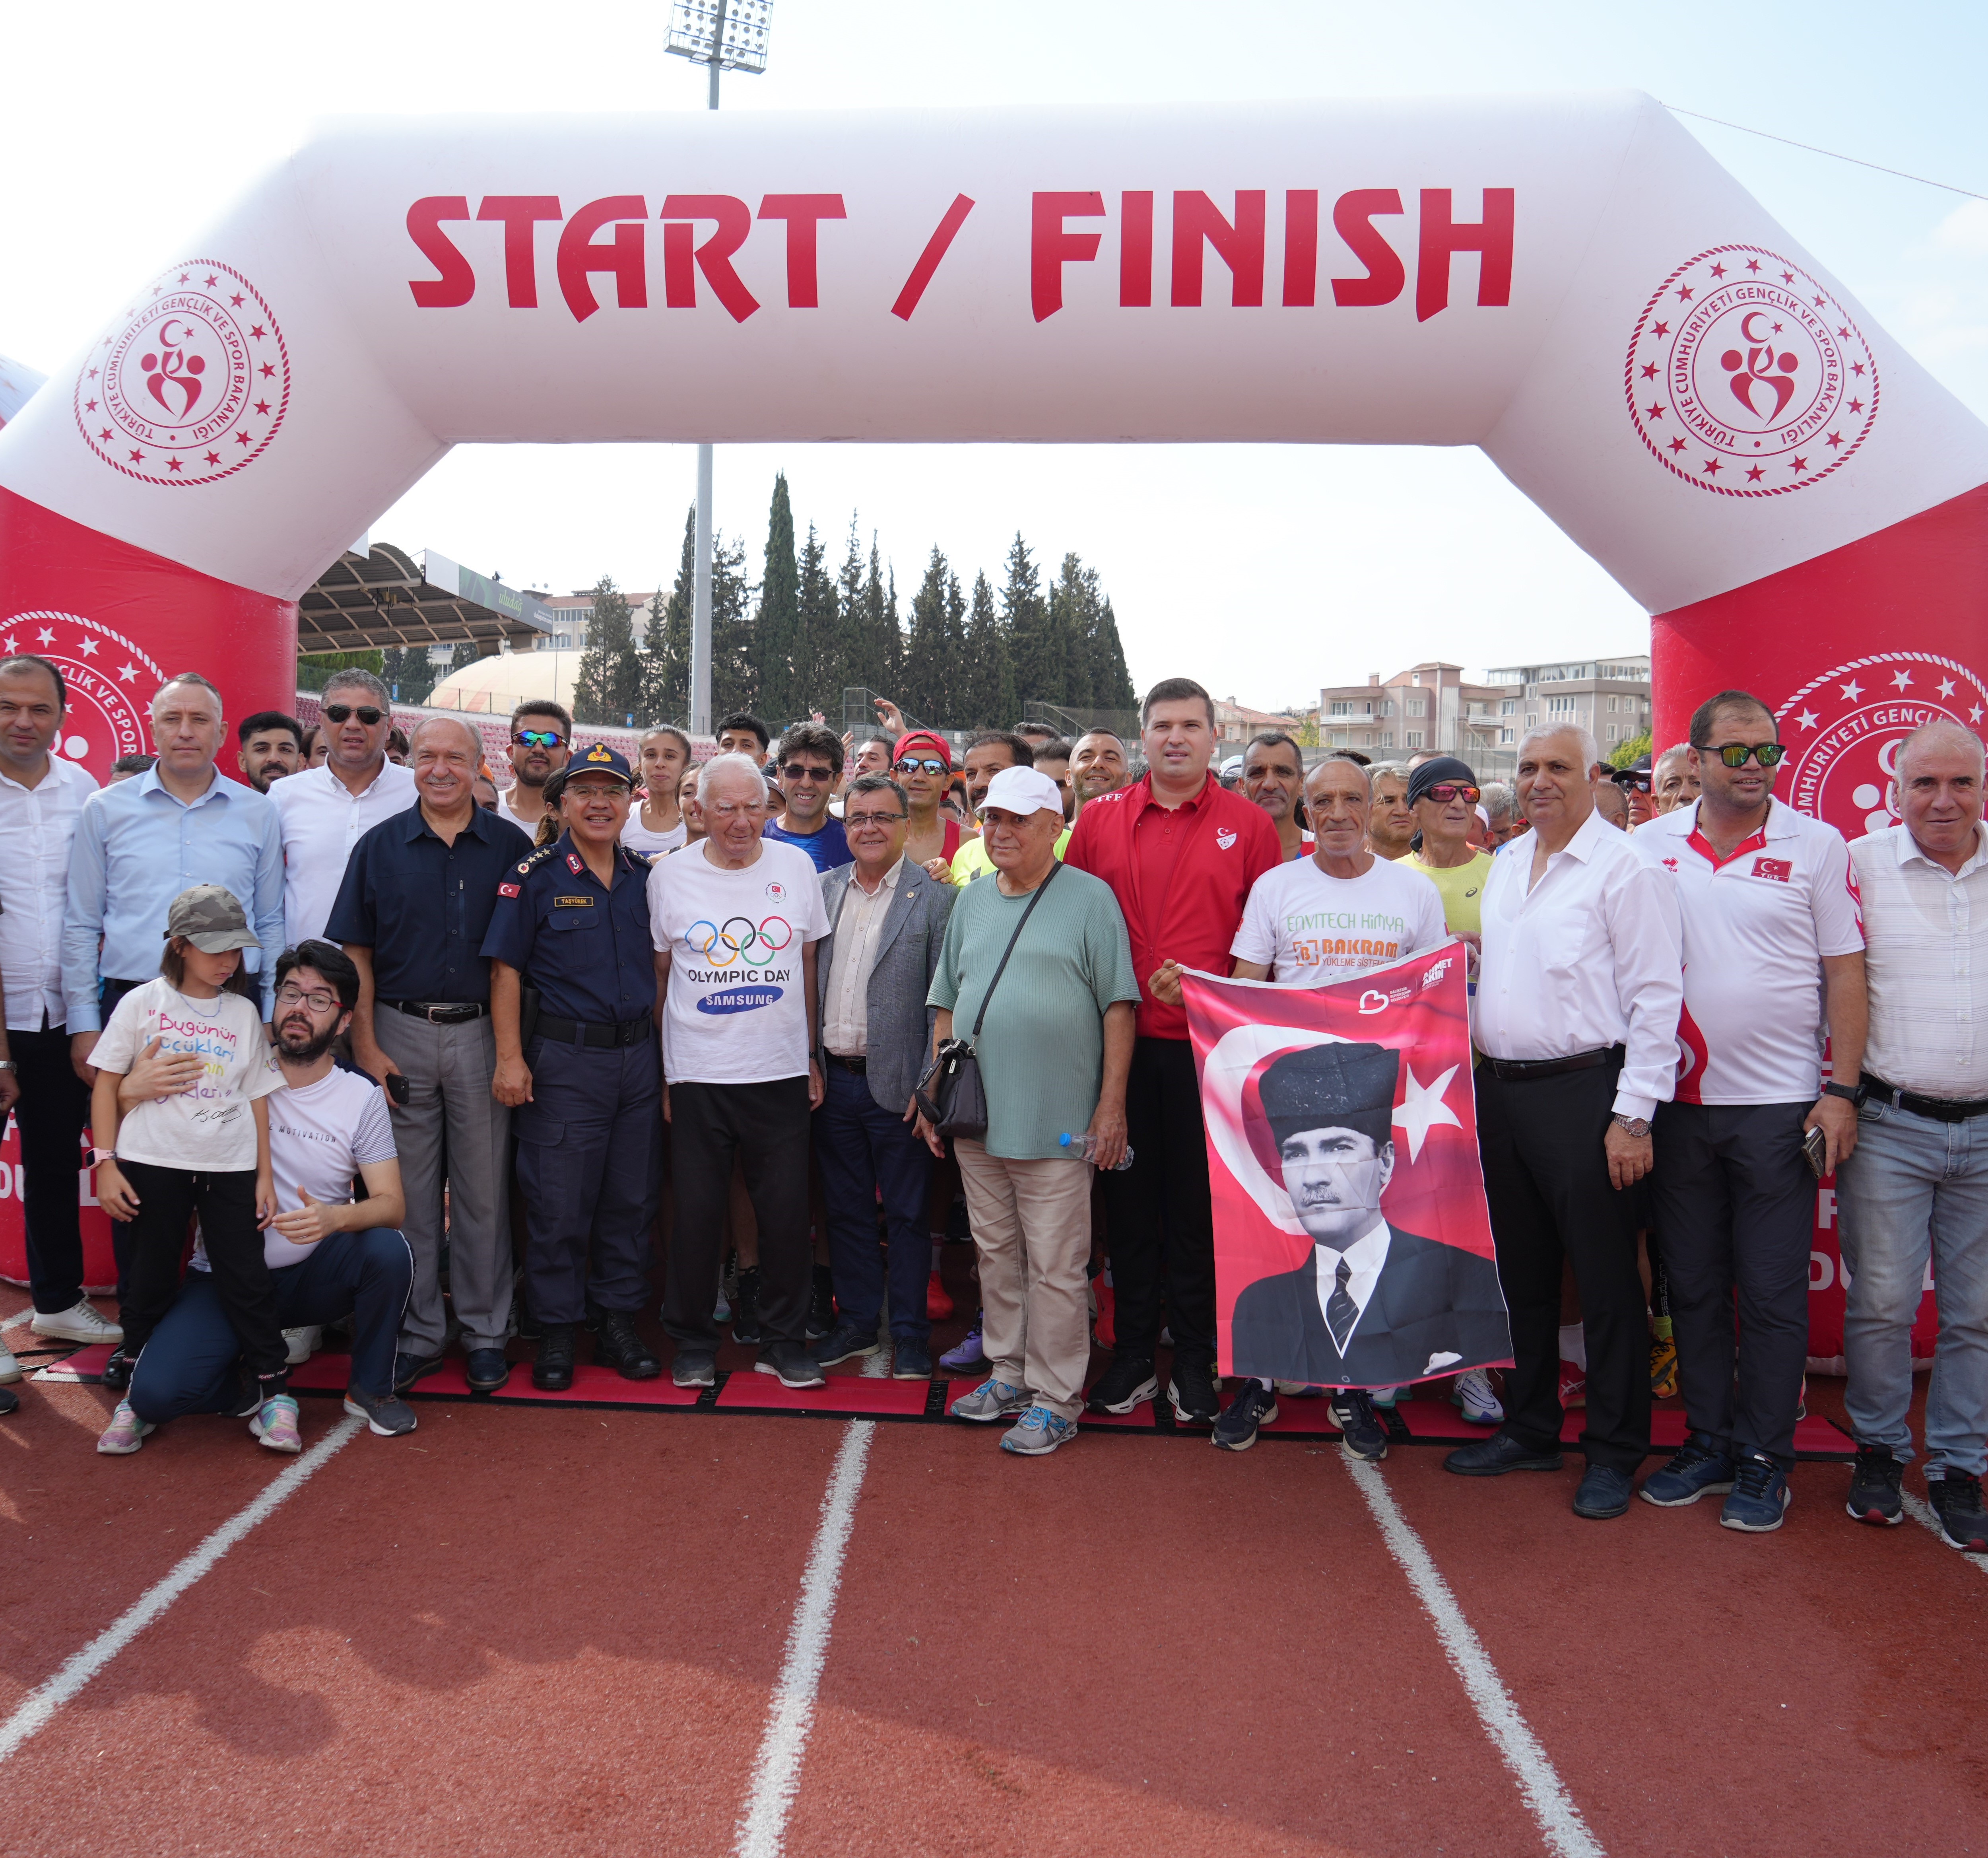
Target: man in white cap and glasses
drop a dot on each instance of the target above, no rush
(1054, 1044)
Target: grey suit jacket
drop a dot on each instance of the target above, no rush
(899, 1024)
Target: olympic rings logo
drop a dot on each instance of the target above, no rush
(734, 943)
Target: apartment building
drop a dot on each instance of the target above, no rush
(1608, 697)
(1430, 706)
(570, 613)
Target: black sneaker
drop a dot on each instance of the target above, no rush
(821, 1304)
(553, 1370)
(746, 1307)
(910, 1360)
(1190, 1392)
(117, 1371)
(1123, 1385)
(694, 1367)
(1956, 1501)
(1873, 1487)
(621, 1347)
(845, 1342)
(1696, 1468)
(791, 1362)
(386, 1415)
(1253, 1407)
(1360, 1433)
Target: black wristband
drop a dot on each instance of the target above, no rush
(1854, 1095)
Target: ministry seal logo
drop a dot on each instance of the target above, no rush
(192, 383)
(1746, 377)
(111, 684)
(1845, 728)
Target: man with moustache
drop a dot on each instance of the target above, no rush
(268, 745)
(1391, 826)
(1273, 779)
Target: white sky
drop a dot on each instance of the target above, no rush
(1264, 571)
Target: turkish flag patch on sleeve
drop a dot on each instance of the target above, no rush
(1780, 870)
(507, 890)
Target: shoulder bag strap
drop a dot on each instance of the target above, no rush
(980, 1018)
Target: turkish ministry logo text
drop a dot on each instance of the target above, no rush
(1746, 377)
(191, 384)
(111, 684)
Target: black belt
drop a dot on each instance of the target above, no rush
(1941, 1109)
(596, 1038)
(858, 1065)
(1513, 1070)
(439, 1012)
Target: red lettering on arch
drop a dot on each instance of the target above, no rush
(1489, 237)
(1353, 220)
(579, 256)
(520, 212)
(1239, 246)
(457, 283)
(713, 257)
(1051, 248)
(804, 214)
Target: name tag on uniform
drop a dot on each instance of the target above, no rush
(573, 903)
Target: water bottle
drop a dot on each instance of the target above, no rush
(1085, 1146)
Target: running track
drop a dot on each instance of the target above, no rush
(527, 1629)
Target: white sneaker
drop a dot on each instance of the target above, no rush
(78, 1323)
(10, 1369)
(1472, 1392)
(302, 1344)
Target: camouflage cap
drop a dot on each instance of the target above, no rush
(211, 918)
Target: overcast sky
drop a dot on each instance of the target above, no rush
(1265, 571)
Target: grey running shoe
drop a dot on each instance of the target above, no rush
(991, 1400)
(387, 1414)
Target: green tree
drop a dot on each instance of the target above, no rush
(1033, 661)
(852, 660)
(922, 689)
(733, 684)
(817, 643)
(609, 688)
(408, 675)
(1111, 682)
(952, 654)
(775, 634)
(666, 644)
(1627, 754)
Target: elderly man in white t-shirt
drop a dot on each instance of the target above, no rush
(332, 1258)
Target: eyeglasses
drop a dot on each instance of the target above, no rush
(851, 820)
(1445, 791)
(532, 738)
(1767, 753)
(289, 994)
(912, 764)
(337, 712)
(1638, 782)
(799, 771)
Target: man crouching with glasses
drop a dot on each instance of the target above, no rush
(332, 1258)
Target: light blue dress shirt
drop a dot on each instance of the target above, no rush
(137, 849)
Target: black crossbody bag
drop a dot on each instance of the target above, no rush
(950, 1096)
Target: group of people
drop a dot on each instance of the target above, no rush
(346, 1014)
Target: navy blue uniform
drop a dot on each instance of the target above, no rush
(589, 1143)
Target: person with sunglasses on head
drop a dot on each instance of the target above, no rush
(923, 765)
(325, 811)
(541, 742)
(809, 761)
(1773, 965)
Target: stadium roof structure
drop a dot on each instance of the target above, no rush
(375, 596)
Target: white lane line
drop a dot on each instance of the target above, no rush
(1559, 1822)
(1923, 1513)
(39, 1706)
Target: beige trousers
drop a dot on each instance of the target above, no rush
(1032, 1229)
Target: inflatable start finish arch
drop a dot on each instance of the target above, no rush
(1570, 282)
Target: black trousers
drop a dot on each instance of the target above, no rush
(1737, 1205)
(1546, 1178)
(765, 1127)
(51, 1115)
(225, 1201)
(1162, 1221)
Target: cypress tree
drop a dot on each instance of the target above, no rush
(1111, 683)
(608, 689)
(924, 693)
(666, 644)
(979, 691)
(1025, 621)
(817, 660)
(777, 632)
(733, 685)
(851, 659)
(952, 653)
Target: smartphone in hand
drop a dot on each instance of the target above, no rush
(1815, 1151)
(396, 1087)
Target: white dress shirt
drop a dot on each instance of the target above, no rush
(845, 1028)
(1364, 1257)
(1925, 963)
(37, 828)
(1591, 957)
(322, 820)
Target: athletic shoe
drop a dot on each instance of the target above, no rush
(1123, 1386)
(10, 1369)
(1037, 1433)
(1697, 1467)
(79, 1322)
(791, 1363)
(1759, 1496)
(10, 1401)
(1572, 1385)
(386, 1415)
(124, 1434)
(721, 1311)
(1302, 1390)
(275, 1425)
(1362, 1435)
(1603, 1493)
(821, 1304)
(845, 1342)
(991, 1400)
(116, 1374)
(694, 1367)
(746, 1307)
(1384, 1397)
(1956, 1501)
(1472, 1392)
(969, 1354)
(938, 1300)
(1663, 1367)
(1190, 1392)
(1873, 1487)
(910, 1361)
(1254, 1406)
(1494, 1457)
(300, 1344)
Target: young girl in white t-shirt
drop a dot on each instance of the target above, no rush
(204, 1151)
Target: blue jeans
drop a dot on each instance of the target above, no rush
(864, 1149)
(192, 1361)
(1914, 1189)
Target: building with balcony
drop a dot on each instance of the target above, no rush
(1429, 708)
(571, 613)
(1608, 697)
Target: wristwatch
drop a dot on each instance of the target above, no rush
(1637, 1126)
(1852, 1094)
(97, 1156)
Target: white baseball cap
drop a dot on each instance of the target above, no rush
(1023, 790)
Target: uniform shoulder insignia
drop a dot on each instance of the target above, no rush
(641, 860)
(537, 858)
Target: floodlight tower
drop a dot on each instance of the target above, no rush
(727, 36)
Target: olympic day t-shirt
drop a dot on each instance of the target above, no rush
(209, 1128)
(736, 1011)
(1310, 929)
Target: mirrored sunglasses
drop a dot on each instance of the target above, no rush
(537, 738)
(1767, 753)
(916, 765)
(1445, 791)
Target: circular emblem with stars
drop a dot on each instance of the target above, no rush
(191, 384)
(1746, 377)
(111, 684)
(1843, 730)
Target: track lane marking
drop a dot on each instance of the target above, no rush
(1553, 1809)
(1923, 1513)
(38, 1708)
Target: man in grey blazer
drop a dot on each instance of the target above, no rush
(887, 920)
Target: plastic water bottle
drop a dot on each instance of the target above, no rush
(1085, 1145)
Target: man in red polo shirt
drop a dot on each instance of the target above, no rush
(1180, 854)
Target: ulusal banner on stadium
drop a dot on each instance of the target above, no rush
(1352, 1240)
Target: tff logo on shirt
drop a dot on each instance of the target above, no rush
(1225, 837)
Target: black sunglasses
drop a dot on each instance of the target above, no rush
(799, 771)
(1767, 753)
(1635, 780)
(337, 712)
